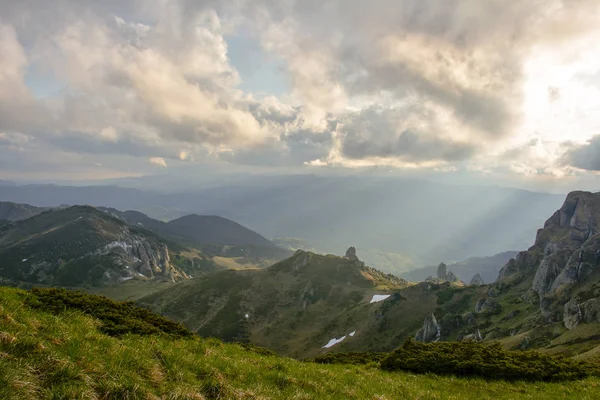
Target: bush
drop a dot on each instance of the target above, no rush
(355, 358)
(488, 361)
(257, 349)
(118, 318)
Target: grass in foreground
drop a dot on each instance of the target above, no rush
(66, 356)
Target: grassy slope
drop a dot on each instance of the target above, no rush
(43, 356)
(295, 307)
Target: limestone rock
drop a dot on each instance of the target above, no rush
(351, 254)
(475, 336)
(545, 275)
(430, 332)
(442, 272)
(451, 277)
(479, 305)
(488, 306)
(572, 314)
(477, 280)
(591, 311)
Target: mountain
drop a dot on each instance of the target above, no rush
(421, 222)
(212, 234)
(217, 230)
(82, 246)
(15, 211)
(293, 307)
(487, 267)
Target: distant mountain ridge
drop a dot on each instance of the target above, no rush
(487, 267)
(214, 234)
(15, 211)
(423, 222)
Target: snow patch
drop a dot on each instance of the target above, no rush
(25, 259)
(246, 316)
(352, 333)
(333, 342)
(126, 278)
(379, 297)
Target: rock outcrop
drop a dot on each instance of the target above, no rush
(570, 243)
(475, 336)
(477, 281)
(488, 306)
(351, 254)
(565, 254)
(430, 332)
(450, 277)
(572, 314)
(142, 258)
(442, 272)
(591, 311)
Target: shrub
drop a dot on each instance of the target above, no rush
(257, 349)
(117, 318)
(488, 361)
(355, 358)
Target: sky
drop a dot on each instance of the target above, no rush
(454, 90)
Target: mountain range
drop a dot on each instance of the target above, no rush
(545, 298)
(399, 224)
(86, 246)
(487, 267)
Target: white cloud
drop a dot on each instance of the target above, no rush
(158, 161)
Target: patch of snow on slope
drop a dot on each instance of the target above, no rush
(126, 278)
(246, 316)
(333, 342)
(25, 259)
(352, 333)
(379, 297)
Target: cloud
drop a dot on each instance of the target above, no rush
(585, 156)
(407, 83)
(158, 161)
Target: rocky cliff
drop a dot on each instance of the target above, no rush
(564, 262)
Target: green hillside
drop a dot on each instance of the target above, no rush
(46, 353)
(293, 307)
(82, 246)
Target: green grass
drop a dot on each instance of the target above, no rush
(65, 356)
